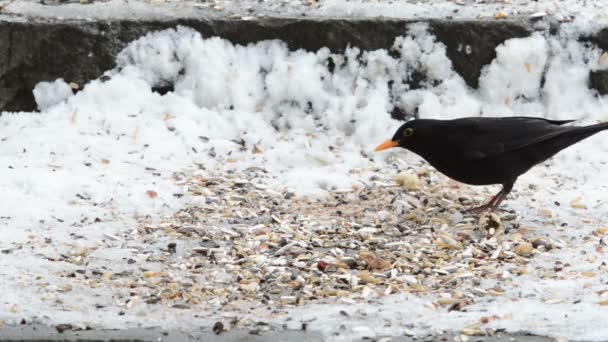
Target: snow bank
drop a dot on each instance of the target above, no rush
(90, 164)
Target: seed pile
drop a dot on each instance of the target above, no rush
(241, 241)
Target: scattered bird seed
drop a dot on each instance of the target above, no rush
(246, 242)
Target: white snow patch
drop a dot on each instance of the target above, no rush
(48, 94)
(512, 80)
(88, 164)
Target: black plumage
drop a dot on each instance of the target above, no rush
(483, 151)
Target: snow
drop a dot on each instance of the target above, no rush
(586, 13)
(89, 165)
(48, 94)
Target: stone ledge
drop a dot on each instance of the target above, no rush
(78, 50)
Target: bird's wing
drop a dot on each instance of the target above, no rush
(529, 119)
(492, 137)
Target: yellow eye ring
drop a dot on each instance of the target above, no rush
(408, 132)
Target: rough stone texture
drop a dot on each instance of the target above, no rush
(43, 52)
(600, 39)
(78, 51)
(471, 45)
(598, 80)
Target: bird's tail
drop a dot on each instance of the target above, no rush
(592, 129)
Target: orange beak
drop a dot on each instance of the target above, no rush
(386, 145)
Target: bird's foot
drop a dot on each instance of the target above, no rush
(480, 209)
(493, 204)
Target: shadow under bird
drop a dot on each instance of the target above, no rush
(484, 151)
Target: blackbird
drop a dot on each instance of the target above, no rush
(484, 151)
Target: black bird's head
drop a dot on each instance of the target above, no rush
(404, 137)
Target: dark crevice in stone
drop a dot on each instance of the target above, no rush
(331, 65)
(23, 101)
(403, 115)
(417, 79)
(598, 80)
(163, 89)
(543, 77)
(600, 39)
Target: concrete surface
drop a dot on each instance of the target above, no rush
(43, 333)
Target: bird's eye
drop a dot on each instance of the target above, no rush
(408, 132)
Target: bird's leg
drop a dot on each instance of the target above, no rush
(506, 189)
(494, 202)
